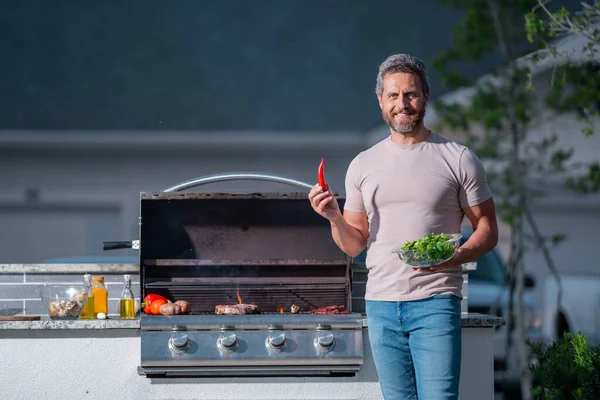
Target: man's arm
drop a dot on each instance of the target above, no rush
(485, 232)
(350, 232)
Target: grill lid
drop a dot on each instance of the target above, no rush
(212, 227)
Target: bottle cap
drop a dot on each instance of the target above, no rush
(99, 279)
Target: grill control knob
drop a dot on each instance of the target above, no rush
(228, 341)
(276, 340)
(325, 341)
(179, 342)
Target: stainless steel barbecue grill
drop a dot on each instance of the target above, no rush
(267, 249)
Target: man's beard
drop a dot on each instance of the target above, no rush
(407, 125)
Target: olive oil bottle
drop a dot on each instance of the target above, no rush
(127, 300)
(88, 308)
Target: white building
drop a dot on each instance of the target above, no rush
(63, 193)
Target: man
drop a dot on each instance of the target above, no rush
(409, 184)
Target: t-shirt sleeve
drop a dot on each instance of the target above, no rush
(474, 188)
(354, 199)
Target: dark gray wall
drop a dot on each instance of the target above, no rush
(206, 65)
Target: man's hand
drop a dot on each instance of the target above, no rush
(454, 262)
(483, 239)
(350, 230)
(324, 203)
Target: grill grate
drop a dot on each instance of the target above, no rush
(262, 313)
(203, 299)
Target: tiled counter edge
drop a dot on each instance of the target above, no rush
(23, 278)
(19, 282)
(47, 324)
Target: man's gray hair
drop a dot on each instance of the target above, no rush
(402, 63)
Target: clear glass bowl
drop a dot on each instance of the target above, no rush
(64, 302)
(414, 258)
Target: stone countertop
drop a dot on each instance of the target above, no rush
(70, 269)
(467, 321)
(481, 321)
(47, 323)
(472, 321)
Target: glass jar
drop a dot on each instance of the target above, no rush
(88, 311)
(100, 295)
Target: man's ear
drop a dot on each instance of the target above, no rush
(426, 99)
(379, 101)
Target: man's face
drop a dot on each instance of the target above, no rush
(402, 102)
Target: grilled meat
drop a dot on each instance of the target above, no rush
(330, 310)
(237, 309)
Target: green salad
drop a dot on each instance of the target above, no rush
(430, 249)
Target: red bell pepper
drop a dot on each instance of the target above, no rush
(321, 174)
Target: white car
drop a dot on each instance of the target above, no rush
(579, 309)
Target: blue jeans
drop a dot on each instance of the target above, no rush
(416, 346)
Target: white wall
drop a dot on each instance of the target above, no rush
(102, 364)
(56, 189)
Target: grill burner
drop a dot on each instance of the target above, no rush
(258, 344)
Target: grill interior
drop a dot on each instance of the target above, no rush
(269, 250)
(262, 313)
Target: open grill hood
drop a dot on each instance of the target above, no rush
(267, 249)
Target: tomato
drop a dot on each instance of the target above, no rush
(149, 299)
(155, 306)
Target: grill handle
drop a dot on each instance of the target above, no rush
(234, 176)
(130, 244)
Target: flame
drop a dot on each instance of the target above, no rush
(280, 308)
(237, 291)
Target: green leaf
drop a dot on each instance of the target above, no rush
(558, 238)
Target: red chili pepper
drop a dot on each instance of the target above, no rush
(322, 182)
